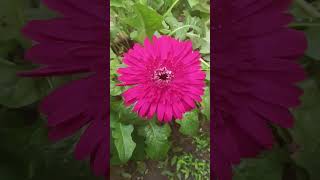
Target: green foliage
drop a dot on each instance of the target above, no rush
(189, 125)
(16, 91)
(131, 22)
(267, 166)
(190, 167)
(27, 154)
(202, 142)
(11, 19)
(157, 142)
(206, 103)
(25, 150)
(122, 139)
(313, 42)
(297, 156)
(146, 21)
(306, 131)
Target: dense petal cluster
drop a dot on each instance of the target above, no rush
(165, 76)
(255, 70)
(75, 42)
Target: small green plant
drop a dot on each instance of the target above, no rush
(202, 142)
(190, 167)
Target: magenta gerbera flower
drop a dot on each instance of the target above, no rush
(165, 76)
(76, 42)
(255, 70)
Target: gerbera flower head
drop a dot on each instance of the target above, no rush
(255, 71)
(75, 42)
(166, 78)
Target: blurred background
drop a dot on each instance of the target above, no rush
(296, 155)
(26, 153)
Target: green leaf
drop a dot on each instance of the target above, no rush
(146, 21)
(19, 91)
(123, 141)
(115, 160)
(114, 64)
(41, 13)
(179, 29)
(117, 3)
(157, 4)
(266, 167)
(205, 104)
(124, 114)
(17, 118)
(139, 153)
(313, 50)
(205, 45)
(192, 28)
(201, 5)
(298, 12)
(157, 141)
(192, 3)
(8, 173)
(115, 90)
(11, 18)
(306, 130)
(7, 47)
(189, 125)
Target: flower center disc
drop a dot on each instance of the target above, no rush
(162, 75)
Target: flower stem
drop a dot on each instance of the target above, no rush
(297, 25)
(177, 29)
(205, 63)
(308, 8)
(50, 82)
(171, 7)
